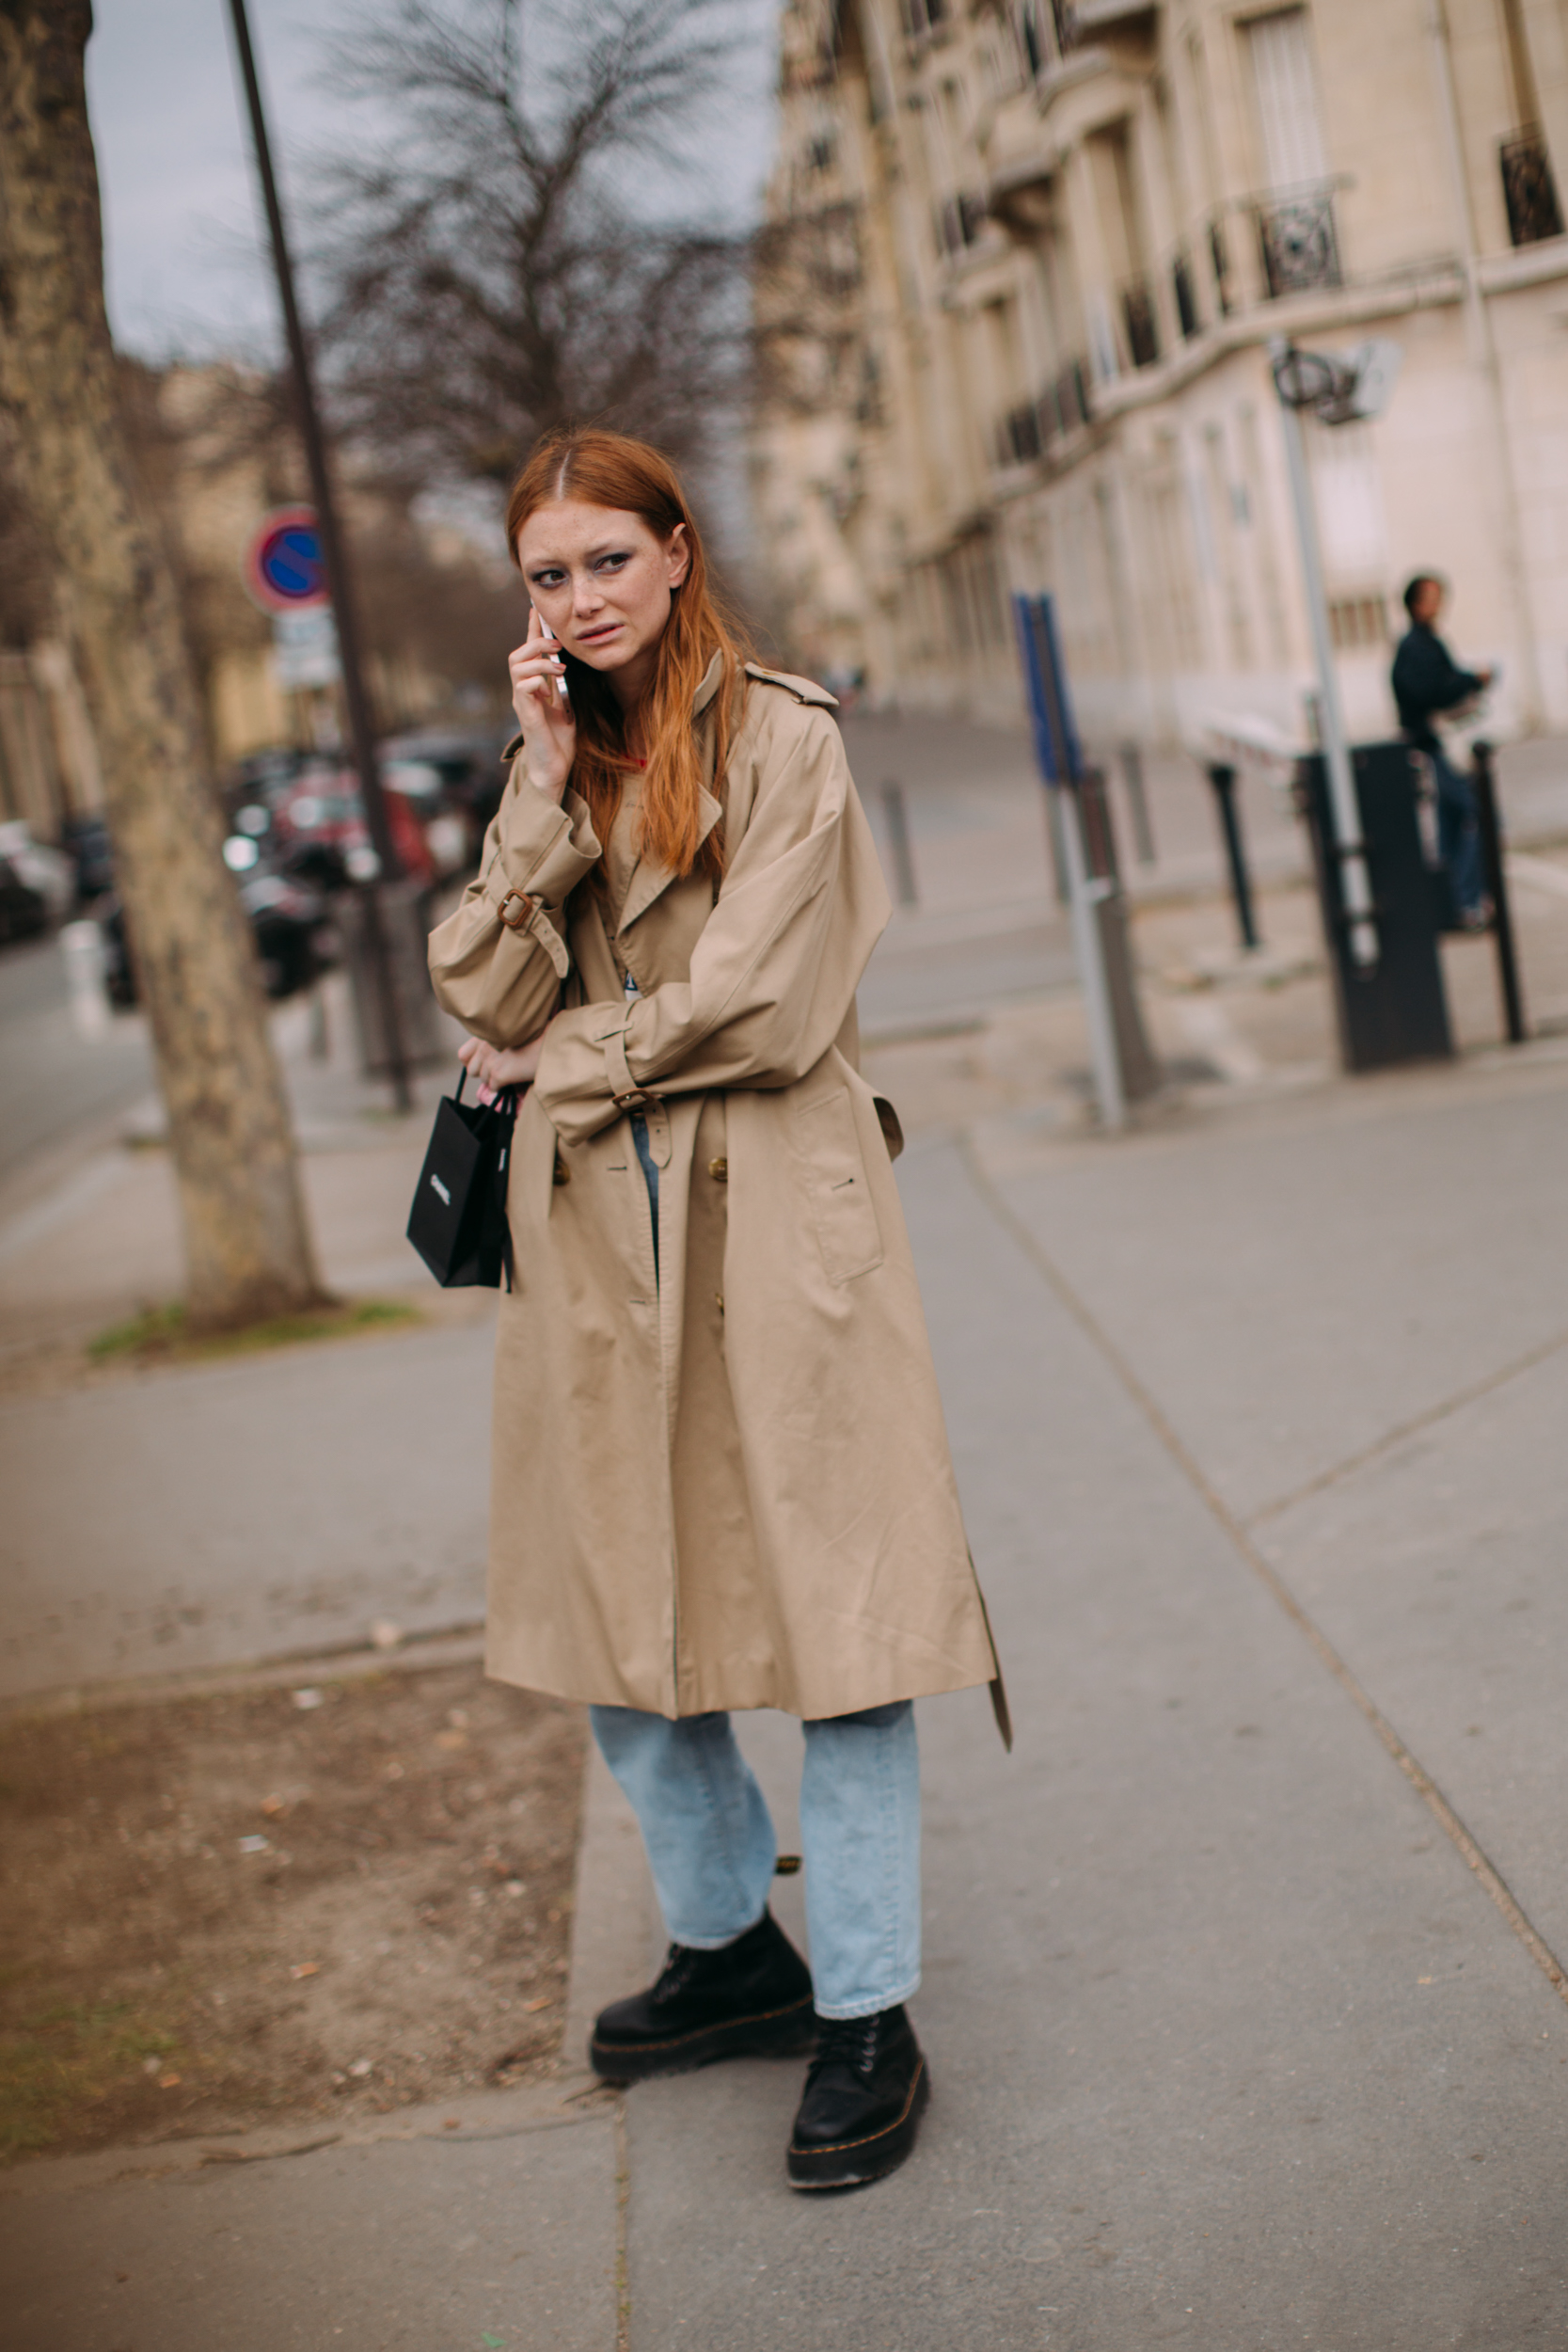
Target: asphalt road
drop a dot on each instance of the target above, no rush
(53, 1080)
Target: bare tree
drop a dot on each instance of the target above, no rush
(514, 262)
(247, 1248)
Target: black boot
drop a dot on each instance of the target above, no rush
(751, 1999)
(866, 2092)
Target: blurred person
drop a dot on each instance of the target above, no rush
(1428, 682)
(720, 1473)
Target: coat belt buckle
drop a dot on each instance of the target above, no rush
(529, 908)
(637, 1100)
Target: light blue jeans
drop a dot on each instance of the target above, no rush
(711, 1847)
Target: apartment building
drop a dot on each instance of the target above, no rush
(1023, 264)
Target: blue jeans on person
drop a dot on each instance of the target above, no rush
(711, 1847)
(1459, 834)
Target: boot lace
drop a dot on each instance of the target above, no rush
(849, 2042)
(680, 1966)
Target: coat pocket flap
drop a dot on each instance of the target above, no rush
(829, 1143)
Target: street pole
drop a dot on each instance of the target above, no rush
(334, 561)
(1350, 848)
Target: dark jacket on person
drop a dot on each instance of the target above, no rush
(1427, 679)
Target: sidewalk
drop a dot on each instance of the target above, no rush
(1238, 1993)
(1224, 2023)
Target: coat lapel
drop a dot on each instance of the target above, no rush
(650, 879)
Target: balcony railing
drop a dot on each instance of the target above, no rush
(1529, 191)
(961, 222)
(1297, 242)
(1027, 433)
(1139, 318)
(1219, 262)
(1018, 439)
(1187, 296)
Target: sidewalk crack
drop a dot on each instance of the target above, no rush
(1486, 1873)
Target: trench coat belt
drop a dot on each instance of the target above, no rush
(628, 1096)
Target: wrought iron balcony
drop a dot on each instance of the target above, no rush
(1219, 262)
(1139, 318)
(1027, 433)
(1064, 405)
(1018, 439)
(1528, 189)
(962, 221)
(1186, 295)
(1297, 241)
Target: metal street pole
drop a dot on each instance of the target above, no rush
(1083, 893)
(1355, 884)
(356, 701)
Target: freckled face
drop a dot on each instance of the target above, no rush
(601, 579)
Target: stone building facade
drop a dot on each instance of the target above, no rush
(1022, 266)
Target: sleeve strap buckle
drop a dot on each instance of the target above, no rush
(517, 910)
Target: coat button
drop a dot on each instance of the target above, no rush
(719, 1300)
(720, 1172)
(562, 1173)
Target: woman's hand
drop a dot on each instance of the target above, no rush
(543, 711)
(498, 1067)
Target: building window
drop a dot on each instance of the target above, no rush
(1529, 191)
(1355, 623)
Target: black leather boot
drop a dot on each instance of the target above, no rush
(866, 2090)
(751, 1999)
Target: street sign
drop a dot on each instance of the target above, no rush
(305, 646)
(283, 567)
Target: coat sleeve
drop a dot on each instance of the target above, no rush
(775, 971)
(499, 959)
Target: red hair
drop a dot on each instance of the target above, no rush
(610, 470)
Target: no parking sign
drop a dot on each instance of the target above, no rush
(283, 567)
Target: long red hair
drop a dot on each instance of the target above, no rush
(611, 469)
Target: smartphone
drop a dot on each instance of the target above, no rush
(549, 631)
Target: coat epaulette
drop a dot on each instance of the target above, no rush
(805, 690)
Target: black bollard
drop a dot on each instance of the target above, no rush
(1223, 778)
(1490, 824)
(898, 825)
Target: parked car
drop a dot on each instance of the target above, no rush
(42, 868)
(295, 937)
(24, 911)
(310, 822)
(470, 769)
(86, 841)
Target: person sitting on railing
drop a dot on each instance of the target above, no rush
(1428, 683)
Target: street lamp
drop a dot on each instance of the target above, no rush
(1336, 388)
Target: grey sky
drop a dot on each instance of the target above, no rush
(183, 257)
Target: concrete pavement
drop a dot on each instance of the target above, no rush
(1223, 2023)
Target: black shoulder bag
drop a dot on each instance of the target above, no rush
(458, 1220)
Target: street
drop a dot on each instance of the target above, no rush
(53, 1080)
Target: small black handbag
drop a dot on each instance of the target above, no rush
(458, 1220)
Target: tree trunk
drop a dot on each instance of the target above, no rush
(247, 1247)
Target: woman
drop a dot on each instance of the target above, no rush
(720, 1475)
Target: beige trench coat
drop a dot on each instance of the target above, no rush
(728, 1486)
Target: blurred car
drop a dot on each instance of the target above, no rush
(472, 774)
(292, 923)
(310, 822)
(86, 841)
(24, 911)
(48, 871)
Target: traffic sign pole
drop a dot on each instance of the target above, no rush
(356, 701)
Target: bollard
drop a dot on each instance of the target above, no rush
(1137, 800)
(896, 821)
(1222, 777)
(1489, 821)
(82, 946)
